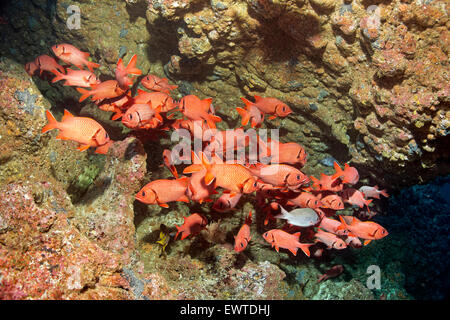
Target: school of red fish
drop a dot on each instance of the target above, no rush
(277, 185)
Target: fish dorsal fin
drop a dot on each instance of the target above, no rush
(257, 98)
(297, 234)
(66, 115)
(346, 166)
(120, 63)
(208, 100)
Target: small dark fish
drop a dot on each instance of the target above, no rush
(331, 273)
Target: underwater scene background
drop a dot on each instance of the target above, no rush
(368, 85)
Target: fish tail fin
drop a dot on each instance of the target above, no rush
(92, 65)
(283, 213)
(343, 225)
(321, 278)
(305, 247)
(338, 169)
(84, 93)
(384, 193)
(58, 76)
(367, 202)
(117, 115)
(245, 115)
(131, 67)
(178, 231)
(52, 123)
(196, 166)
(246, 102)
(211, 120)
(209, 177)
(248, 220)
(174, 171)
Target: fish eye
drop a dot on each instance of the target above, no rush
(130, 116)
(242, 245)
(298, 177)
(284, 108)
(265, 234)
(143, 193)
(316, 202)
(106, 135)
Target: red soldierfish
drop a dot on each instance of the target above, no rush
(353, 242)
(117, 105)
(243, 237)
(327, 183)
(76, 78)
(70, 54)
(355, 197)
(198, 190)
(195, 109)
(331, 225)
(192, 226)
(226, 202)
(332, 201)
(86, 131)
(305, 200)
(140, 116)
(290, 152)
(31, 68)
(122, 72)
(162, 191)
(279, 175)
(251, 112)
(349, 175)
(271, 106)
(233, 177)
(156, 99)
(104, 90)
(333, 272)
(367, 230)
(281, 239)
(330, 240)
(155, 83)
(47, 63)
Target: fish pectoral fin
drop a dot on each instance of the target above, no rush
(60, 136)
(272, 117)
(233, 194)
(367, 242)
(164, 205)
(83, 147)
(184, 199)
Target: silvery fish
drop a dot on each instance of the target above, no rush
(301, 217)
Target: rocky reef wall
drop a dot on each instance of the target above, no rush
(367, 80)
(368, 83)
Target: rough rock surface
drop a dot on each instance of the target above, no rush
(367, 80)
